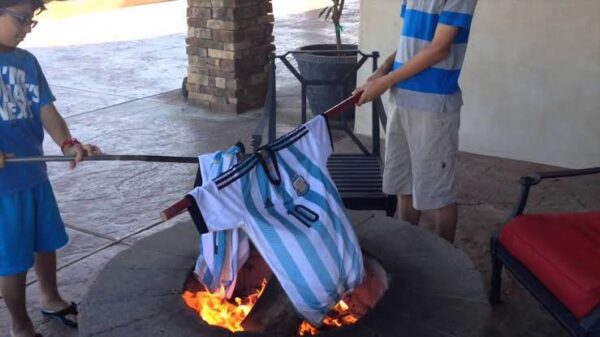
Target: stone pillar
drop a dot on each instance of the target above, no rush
(227, 45)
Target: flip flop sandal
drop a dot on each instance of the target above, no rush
(62, 315)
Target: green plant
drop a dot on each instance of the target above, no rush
(334, 12)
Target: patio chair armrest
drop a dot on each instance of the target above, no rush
(533, 179)
(536, 178)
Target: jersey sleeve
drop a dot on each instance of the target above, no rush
(403, 9)
(210, 166)
(45, 95)
(320, 143)
(458, 13)
(214, 209)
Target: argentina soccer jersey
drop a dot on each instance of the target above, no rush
(222, 253)
(283, 198)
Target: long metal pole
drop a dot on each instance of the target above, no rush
(157, 159)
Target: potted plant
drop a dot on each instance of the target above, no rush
(335, 13)
(329, 62)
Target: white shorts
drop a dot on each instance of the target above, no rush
(420, 156)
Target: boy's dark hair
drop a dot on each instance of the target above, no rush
(36, 4)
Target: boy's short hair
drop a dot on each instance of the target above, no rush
(36, 4)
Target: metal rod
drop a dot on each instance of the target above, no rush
(273, 102)
(375, 115)
(324, 52)
(157, 159)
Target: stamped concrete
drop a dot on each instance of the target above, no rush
(97, 83)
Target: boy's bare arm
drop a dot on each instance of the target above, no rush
(54, 124)
(57, 128)
(383, 70)
(435, 52)
(385, 67)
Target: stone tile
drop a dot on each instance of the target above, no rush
(173, 97)
(71, 102)
(118, 200)
(114, 68)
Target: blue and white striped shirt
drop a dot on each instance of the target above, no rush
(222, 253)
(284, 199)
(435, 89)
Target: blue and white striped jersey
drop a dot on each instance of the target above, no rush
(435, 89)
(222, 253)
(284, 199)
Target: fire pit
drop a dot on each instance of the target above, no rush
(433, 289)
(252, 281)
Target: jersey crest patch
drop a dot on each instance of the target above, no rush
(301, 186)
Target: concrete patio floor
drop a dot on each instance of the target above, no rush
(124, 96)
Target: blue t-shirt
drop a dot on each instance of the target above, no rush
(23, 92)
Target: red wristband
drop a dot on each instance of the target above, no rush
(68, 141)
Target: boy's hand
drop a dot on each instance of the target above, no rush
(373, 89)
(379, 73)
(80, 151)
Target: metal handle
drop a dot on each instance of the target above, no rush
(343, 105)
(175, 209)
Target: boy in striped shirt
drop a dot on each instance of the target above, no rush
(422, 131)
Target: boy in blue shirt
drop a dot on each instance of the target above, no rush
(422, 131)
(31, 229)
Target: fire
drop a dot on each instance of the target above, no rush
(215, 309)
(340, 315)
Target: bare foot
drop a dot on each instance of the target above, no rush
(56, 305)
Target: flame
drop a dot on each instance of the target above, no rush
(215, 309)
(339, 316)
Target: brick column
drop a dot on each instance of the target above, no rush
(227, 45)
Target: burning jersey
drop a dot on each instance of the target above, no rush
(285, 200)
(222, 253)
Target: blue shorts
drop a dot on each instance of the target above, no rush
(29, 222)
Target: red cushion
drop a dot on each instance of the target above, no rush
(563, 252)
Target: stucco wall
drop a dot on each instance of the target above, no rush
(531, 79)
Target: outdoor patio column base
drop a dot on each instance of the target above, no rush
(228, 45)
